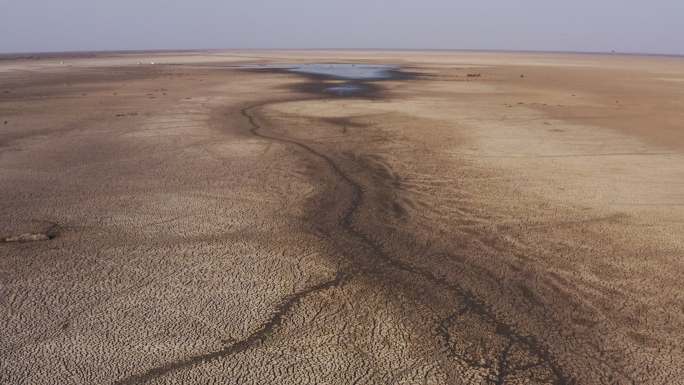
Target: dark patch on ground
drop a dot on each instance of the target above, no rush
(320, 84)
(344, 121)
(363, 89)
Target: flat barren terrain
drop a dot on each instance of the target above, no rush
(475, 218)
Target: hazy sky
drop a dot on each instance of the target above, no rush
(654, 26)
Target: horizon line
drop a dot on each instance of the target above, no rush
(76, 53)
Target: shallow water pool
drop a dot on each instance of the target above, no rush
(335, 70)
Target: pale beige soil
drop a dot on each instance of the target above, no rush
(190, 222)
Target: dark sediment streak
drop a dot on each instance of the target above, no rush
(257, 337)
(470, 302)
(377, 267)
(281, 310)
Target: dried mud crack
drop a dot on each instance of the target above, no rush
(276, 227)
(260, 335)
(378, 265)
(257, 337)
(380, 261)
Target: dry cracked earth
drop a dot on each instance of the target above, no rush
(487, 218)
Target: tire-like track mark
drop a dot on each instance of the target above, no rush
(381, 262)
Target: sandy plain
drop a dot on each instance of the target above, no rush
(188, 222)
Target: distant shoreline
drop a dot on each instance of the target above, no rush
(98, 53)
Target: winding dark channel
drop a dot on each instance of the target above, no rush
(376, 267)
(257, 337)
(261, 334)
(470, 301)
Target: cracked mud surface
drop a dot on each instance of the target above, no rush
(215, 225)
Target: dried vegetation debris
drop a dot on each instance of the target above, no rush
(49, 233)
